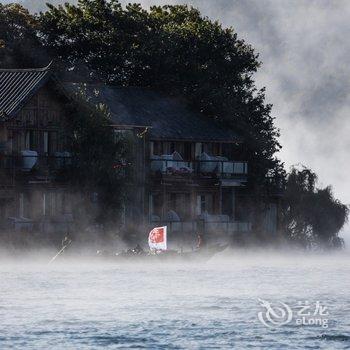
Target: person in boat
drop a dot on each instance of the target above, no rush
(66, 240)
(138, 249)
(201, 243)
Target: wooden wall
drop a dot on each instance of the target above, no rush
(37, 125)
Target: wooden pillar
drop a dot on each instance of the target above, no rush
(233, 198)
(164, 202)
(193, 203)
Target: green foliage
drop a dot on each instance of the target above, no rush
(173, 49)
(19, 44)
(101, 158)
(312, 215)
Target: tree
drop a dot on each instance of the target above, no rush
(173, 49)
(312, 215)
(19, 44)
(176, 50)
(101, 158)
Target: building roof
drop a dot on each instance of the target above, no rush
(17, 86)
(167, 118)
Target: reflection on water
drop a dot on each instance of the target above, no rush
(77, 304)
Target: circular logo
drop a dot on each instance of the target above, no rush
(274, 316)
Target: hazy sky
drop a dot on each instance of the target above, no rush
(305, 51)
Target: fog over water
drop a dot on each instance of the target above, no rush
(77, 304)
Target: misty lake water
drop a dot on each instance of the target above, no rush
(82, 305)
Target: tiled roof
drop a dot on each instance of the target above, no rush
(17, 86)
(168, 118)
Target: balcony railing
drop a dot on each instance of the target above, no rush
(220, 168)
(47, 224)
(212, 227)
(27, 163)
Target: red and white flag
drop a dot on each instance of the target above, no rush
(157, 239)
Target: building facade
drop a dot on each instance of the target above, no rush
(189, 173)
(188, 170)
(33, 195)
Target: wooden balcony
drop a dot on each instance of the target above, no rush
(228, 228)
(197, 168)
(14, 167)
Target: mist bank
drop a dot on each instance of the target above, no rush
(85, 258)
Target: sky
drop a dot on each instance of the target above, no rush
(304, 49)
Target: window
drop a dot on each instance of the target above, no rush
(53, 142)
(186, 206)
(165, 147)
(227, 151)
(181, 204)
(51, 203)
(30, 140)
(156, 148)
(21, 205)
(204, 204)
(208, 148)
(228, 201)
(46, 142)
(50, 142)
(45, 204)
(187, 151)
(233, 151)
(216, 149)
(198, 149)
(172, 202)
(156, 204)
(67, 203)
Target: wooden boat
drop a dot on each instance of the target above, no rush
(157, 242)
(202, 254)
(130, 255)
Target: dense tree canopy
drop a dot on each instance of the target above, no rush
(101, 157)
(19, 44)
(312, 215)
(173, 49)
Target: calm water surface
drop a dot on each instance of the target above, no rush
(81, 305)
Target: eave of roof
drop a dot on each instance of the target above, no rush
(17, 86)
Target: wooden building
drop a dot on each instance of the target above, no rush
(188, 170)
(189, 173)
(32, 152)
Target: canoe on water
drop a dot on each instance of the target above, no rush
(159, 251)
(202, 254)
